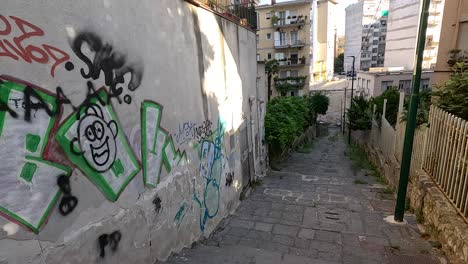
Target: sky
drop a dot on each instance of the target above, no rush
(340, 13)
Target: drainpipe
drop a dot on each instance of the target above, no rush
(457, 25)
(251, 121)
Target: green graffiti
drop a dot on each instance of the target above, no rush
(94, 141)
(181, 213)
(157, 147)
(28, 183)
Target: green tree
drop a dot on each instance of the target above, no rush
(338, 64)
(452, 96)
(392, 94)
(360, 114)
(271, 68)
(318, 104)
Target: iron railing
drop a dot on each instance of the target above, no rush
(283, 44)
(240, 11)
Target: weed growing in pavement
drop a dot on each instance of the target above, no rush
(388, 190)
(305, 149)
(256, 183)
(360, 181)
(360, 161)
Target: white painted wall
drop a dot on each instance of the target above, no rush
(402, 30)
(198, 68)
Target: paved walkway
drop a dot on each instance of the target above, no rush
(312, 211)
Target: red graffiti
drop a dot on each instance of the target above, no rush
(16, 49)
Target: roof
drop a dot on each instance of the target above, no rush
(288, 3)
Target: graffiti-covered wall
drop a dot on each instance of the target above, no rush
(127, 130)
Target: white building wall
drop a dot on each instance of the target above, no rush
(402, 29)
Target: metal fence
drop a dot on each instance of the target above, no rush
(241, 11)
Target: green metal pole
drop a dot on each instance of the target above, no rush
(411, 120)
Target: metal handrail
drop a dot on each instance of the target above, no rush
(242, 12)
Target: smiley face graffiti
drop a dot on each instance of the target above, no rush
(96, 138)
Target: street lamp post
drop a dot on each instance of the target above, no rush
(351, 103)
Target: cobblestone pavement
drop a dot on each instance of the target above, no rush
(313, 211)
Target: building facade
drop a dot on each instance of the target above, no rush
(323, 41)
(447, 32)
(365, 34)
(378, 80)
(284, 34)
(339, 46)
(300, 35)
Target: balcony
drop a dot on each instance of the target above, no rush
(242, 13)
(292, 62)
(284, 44)
(293, 22)
(298, 81)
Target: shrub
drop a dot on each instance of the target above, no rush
(286, 118)
(393, 97)
(360, 114)
(452, 96)
(422, 116)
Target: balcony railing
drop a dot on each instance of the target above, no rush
(291, 62)
(298, 81)
(299, 21)
(284, 44)
(242, 13)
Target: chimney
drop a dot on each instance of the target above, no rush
(273, 2)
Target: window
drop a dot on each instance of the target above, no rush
(283, 74)
(293, 37)
(374, 50)
(267, 15)
(268, 36)
(405, 85)
(424, 84)
(386, 85)
(269, 56)
(293, 93)
(294, 73)
(368, 84)
(258, 57)
(256, 38)
(375, 42)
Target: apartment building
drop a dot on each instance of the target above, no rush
(365, 34)
(446, 35)
(339, 45)
(323, 40)
(284, 34)
(402, 33)
(297, 34)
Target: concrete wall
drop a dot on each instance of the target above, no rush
(154, 159)
(374, 87)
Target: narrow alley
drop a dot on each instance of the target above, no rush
(317, 209)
